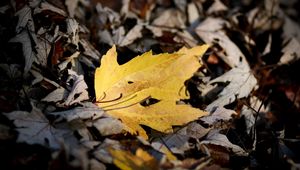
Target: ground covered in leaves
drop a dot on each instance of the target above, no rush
(79, 88)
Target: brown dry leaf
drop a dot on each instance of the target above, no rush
(45, 6)
(108, 126)
(242, 83)
(211, 32)
(241, 79)
(214, 137)
(147, 78)
(35, 128)
(87, 111)
(219, 114)
(178, 142)
(127, 161)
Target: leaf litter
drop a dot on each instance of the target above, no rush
(51, 104)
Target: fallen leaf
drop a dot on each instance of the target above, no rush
(120, 38)
(291, 29)
(141, 8)
(216, 7)
(181, 5)
(290, 52)
(63, 65)
(163, 149)
(170, 18)
(106, 37)
(211, 31)
(89, 50)
(219, 114)
(27, 47)
(216, 138)
(57, 95)
(89, 111)
(174, 143)
(71, 6)
(242, 82)
(72, 31)
(240, 78)
(196, 131)
(168, 21)
(96, 165)
(131, 36)
(108, 126)
(102, 151)
(178, 142)
(78, 89)
(125, 160)
(45, 6)
(158, 146)
(25, 19)
(107, 15)
(249, 113)
(43, 49)
(38, 77)
(158, 77)
(185, 38)
(35, 128)
(192, 11)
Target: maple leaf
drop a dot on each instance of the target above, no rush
(35, 128)
(242, 82)
(240, 78)
(125, 160)
(159, 77)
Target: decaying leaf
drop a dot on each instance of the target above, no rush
(211, 31)
(178, 142)
(78, 91)
(124, 40)
(242, 82)
(25, 19)
(168, 21)
(57, 95)
(240, 78)
(127, 161)
(219, 114)
(45, 6)
(72, 31)
(216, 138)
(89, 111)
(144, 79)
(35, 128)
(108, 126)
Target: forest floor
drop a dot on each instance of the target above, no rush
(241, 104)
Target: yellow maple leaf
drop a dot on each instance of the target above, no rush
(120, 89)
(125, 160)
